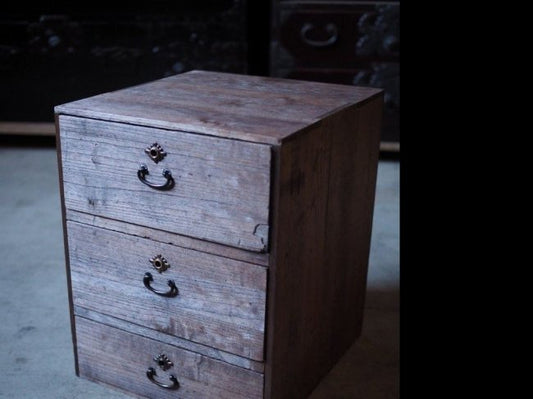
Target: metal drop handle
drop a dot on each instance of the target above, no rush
(330, 28)
(171, 293)
(143, 171)
(150, 373)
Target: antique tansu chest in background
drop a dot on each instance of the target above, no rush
(217, 232)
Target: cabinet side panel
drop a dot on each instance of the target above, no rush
(295, 301)
(353, 169)
(323, 216)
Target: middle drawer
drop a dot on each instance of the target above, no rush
(215, 301)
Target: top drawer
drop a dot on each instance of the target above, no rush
(218, 191)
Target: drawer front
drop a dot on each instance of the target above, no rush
(215, 301)
(122, 359)
(218, 189)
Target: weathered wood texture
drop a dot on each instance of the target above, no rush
(221, 302)
(121, 359)
(275, 179)
(222, 187)
(182, 343)
(352, 186)
(325, 183)
(169, 238)
(250, 108)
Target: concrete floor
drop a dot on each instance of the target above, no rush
(36, 357)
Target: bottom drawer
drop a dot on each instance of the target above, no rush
(122, 359)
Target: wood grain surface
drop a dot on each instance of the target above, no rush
(222, 187)
(296, 287)
(220, 302)
(323, 203)
(258, 258)
(121, 359)
(217, 354)
(352, 187)
(267, 230)
(251, 108)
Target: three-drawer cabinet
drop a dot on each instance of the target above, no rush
(217, 232)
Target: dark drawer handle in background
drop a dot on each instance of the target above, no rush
(150, 373)
(169, 294)
(330, 28)
(143, 171)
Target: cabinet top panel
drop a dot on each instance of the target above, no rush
(243, 107)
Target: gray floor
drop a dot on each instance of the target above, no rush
(36, 358)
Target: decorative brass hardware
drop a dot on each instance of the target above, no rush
(159, 263)
(155, 152)
(163, 362)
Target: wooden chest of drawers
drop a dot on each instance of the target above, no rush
(217, 232)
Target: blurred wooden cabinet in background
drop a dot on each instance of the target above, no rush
(55, 52)
(348, 42)
(59, 51)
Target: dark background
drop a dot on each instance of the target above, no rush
(54, 52)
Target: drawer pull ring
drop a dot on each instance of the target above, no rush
(331, 29)
(150, 373)
(143, 171)
(172, 292)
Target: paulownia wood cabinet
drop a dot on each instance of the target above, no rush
(217, 232)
